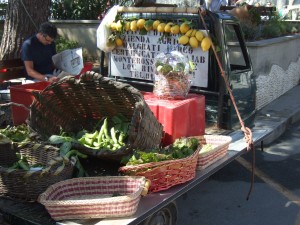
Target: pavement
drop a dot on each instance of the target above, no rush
(279, 114)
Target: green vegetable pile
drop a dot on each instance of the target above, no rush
(108, 137)
(18, 133)
(110, 134)
(181, 148)
(22, 163)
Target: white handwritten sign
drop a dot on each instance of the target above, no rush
(136, 58)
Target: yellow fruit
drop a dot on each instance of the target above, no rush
(193, 42)
(113, 26)
(194, 33)
(183, 40)
(175, 29)
(119, 25)
(127, 26)
(155, 24)
(140, 23)
(119, 42)
(161, 27)
(189, 33)
(168, 27)
(199, 35)
(184, 27)
(133, 25)
(205, 44)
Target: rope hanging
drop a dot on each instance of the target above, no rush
(247, 132)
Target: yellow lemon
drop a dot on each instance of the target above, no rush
(205, 44)
(133, 25)
(183, 40)
(168, 27)
(119, 25)
(194, 33)
(189, 33)
(193, 42)
(184, 27)
(127, 26)
(161, 27)
(175, 29)
(140, 23)
(199, 35)
(119, 42)
(113, 26)
(155, 24)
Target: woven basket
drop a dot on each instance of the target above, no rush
(92, 197)
(220, 143)
(28, 185)
(75, 104)
(165, 174)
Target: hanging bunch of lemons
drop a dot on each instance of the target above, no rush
(186, 34)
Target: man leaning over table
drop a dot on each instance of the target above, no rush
(37, 52)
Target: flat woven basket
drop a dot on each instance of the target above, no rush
(94, 197)
(165, 174)
(220, 148)
(28, 185)
(75, 104)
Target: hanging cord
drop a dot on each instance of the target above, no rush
(247, 132)
(28, 14)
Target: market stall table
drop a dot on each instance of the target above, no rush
(33, 213)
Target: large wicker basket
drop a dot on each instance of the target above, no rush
(220, 145)
(75, 104)
(94, 197)
(165, 174)
(28, 185)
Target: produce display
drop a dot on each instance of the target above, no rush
(181, 148)
(185, 31)
(111, 138)
(18, 133)
(171, 75)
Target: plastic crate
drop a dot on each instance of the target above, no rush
(22, 94)
(180, 118)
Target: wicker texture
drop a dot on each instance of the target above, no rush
(28, 185)
(91, 197)
(75, 104)
(220, 143)
(165, 174)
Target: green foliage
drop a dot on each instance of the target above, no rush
(82, 9)
(64, 44)
(271, 28)
(250, 32)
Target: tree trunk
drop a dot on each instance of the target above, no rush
(23, 18)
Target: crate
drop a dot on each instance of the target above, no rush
(180, 118)
(93, 197)
(22, 94)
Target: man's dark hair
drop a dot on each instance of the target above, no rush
(49, 29)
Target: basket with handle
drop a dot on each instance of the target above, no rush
(27, 185)
(94, 197)
(74, 104)
(219, 147)
(165, 174)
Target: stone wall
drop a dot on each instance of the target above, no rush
(276, 65)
